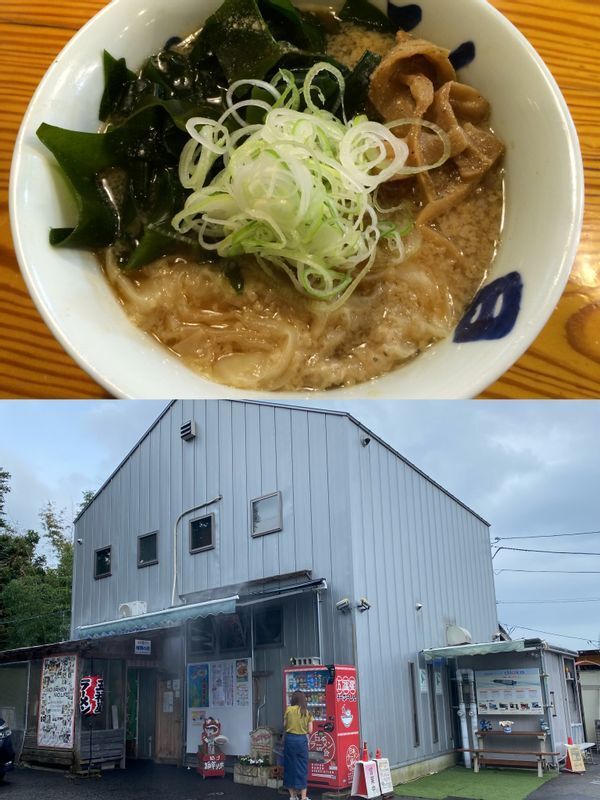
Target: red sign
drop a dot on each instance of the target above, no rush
(211, 766)
(91, 694)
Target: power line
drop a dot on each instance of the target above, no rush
(540, 602)
(548, 633)
(14, 620)
(545, 536)
(558, 552)
(562, 571)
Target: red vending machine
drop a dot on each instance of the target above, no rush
(334, 745)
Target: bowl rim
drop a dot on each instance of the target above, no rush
(471, 387)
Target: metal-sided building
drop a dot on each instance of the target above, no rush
(249, 534)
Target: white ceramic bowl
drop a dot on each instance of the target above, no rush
(544, 201)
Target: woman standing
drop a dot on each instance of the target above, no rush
(297, 725)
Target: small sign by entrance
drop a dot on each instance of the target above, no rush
(574, 760)
(366, 780)
(143, 647)
(385, 777)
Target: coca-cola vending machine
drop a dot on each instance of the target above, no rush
(334, 745)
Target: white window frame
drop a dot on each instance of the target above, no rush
(279, 525)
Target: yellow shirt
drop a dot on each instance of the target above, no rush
(294, 722)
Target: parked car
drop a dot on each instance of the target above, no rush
(7, 753)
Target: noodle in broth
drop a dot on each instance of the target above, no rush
(269, 337)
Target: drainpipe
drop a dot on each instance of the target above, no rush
(319, 638)
(462, 715)
(177, 521)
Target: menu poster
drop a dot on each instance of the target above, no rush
(221, 684)
(509, 691)
(57, 702)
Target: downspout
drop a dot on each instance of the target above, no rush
(470, 676)
(547, 704)
(177, 521)
(319, 638)
(462, 715)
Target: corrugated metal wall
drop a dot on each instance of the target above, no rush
(360, 517)
(412, 543)
(242, 451)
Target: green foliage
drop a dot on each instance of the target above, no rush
(35, 592)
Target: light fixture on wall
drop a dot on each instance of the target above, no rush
(363, 604)
(419, 606)
(343, 604)
(365, 440)
(79, 541)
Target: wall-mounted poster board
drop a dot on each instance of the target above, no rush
(509, 691)
(221, 689)
(57, 702)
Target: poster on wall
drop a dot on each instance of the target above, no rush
(509, 691)
(57, 702)
(220, 689)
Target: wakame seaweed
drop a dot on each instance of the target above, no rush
(145, 114)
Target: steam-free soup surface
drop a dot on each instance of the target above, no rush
(272, 338)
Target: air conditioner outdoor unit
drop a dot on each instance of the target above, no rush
(132, 609)
(456, 635)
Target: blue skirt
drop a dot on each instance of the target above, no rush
(295, 761)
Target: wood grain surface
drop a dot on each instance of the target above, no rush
(563, 362)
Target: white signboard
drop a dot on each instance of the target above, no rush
(509, 691)
(385, 775)
(220, 689)
(143, 647)
(57, 702)
(365, 782)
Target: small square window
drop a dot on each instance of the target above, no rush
(268, 626)
(102, 565)
(265, 513)
(148, 549)
(202, 534)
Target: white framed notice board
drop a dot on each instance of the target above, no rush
(509, 691)
(57, 702)
(220, 689)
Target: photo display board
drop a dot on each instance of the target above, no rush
(220, 689)
(509, 691)
(57, 702)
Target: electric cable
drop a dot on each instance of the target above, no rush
(558, 552)
(545, 536)
(561, 571)
(548, 633)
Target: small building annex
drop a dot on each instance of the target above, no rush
(239, 536)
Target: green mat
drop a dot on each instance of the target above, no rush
(489, 784)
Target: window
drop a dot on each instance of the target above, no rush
(268, 626)
(147, 549)
(265, 514)
(413, 702)
(102, 568)
(202, 534)
(433, 703)
(233, 632)
(202, 640)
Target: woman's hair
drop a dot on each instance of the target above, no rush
(299, 699)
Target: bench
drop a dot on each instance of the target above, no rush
(480, 758)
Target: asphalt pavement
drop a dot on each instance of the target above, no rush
(140, 781)
(147, 781)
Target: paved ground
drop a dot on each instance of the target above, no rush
(572, 787)
(148, 781)
(143, 781)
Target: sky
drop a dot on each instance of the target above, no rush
(529, 468)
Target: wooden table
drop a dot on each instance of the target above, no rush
(563, 362)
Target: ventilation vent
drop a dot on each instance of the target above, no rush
(188, 431)
(132, 609)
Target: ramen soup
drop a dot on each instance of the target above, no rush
(265, 331)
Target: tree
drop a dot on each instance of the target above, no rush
(18, 557)
(35, 596)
